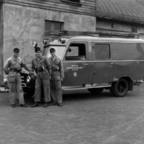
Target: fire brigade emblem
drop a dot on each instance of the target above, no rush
(75, 74)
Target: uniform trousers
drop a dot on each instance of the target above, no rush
(56, 91)
(15, 89)
(42, 81)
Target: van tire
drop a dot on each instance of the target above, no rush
(96, 90)
(120, 88)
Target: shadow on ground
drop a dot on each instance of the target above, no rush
(84, 96)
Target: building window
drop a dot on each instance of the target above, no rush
(53, 25)
(102, 51)
(77, 1)
(134, 29)
(76, 51)
(72, 2)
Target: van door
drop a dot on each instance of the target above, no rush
(102, 67)
(75, 64)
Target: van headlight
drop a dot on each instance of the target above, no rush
(5, 80)
(28, 79)
(4, 84)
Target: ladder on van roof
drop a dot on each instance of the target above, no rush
(60, 33)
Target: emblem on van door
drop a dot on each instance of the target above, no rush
(75, 74)
(74, 67)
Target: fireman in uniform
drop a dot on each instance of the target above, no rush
(56, 77)
(42, 67)
(12, 68)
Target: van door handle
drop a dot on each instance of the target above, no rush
(111, 63)
(85, 64)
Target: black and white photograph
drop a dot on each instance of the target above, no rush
(71, 71)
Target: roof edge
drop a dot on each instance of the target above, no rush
(120, 17)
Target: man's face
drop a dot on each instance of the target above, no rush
(53, 54)
(38, 54)
(16, 54)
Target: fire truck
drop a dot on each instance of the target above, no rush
(95, 63)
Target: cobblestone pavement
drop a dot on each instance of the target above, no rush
(84, 119)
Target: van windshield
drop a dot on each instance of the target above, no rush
(59, 51)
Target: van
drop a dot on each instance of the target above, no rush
(97, 63)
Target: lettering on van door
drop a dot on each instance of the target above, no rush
(74, 67)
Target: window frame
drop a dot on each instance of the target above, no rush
(76, 42)
(72, 3)
(102, 44)
(61, 26)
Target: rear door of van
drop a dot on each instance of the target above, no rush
(101, 67)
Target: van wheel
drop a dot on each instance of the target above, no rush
(96, 90)
(120, 88)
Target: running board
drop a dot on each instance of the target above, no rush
(83, 88)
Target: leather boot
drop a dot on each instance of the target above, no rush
(46, 104)
(60, 104)
(23, 105)
(13, 105)
(36, 104)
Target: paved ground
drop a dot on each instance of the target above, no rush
(84, 119)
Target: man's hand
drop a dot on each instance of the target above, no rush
(31, 73)
(61, 79)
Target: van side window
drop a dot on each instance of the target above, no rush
(102, 51)
(76, 51)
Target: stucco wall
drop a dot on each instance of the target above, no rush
(111, 26)
(23, 25)
(1, 44)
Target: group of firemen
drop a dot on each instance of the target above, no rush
(48, 72)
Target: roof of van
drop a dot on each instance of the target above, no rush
(98, 39)
(102, 39)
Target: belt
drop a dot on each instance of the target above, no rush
(55, 71)
(41, 70)
(14, 70)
